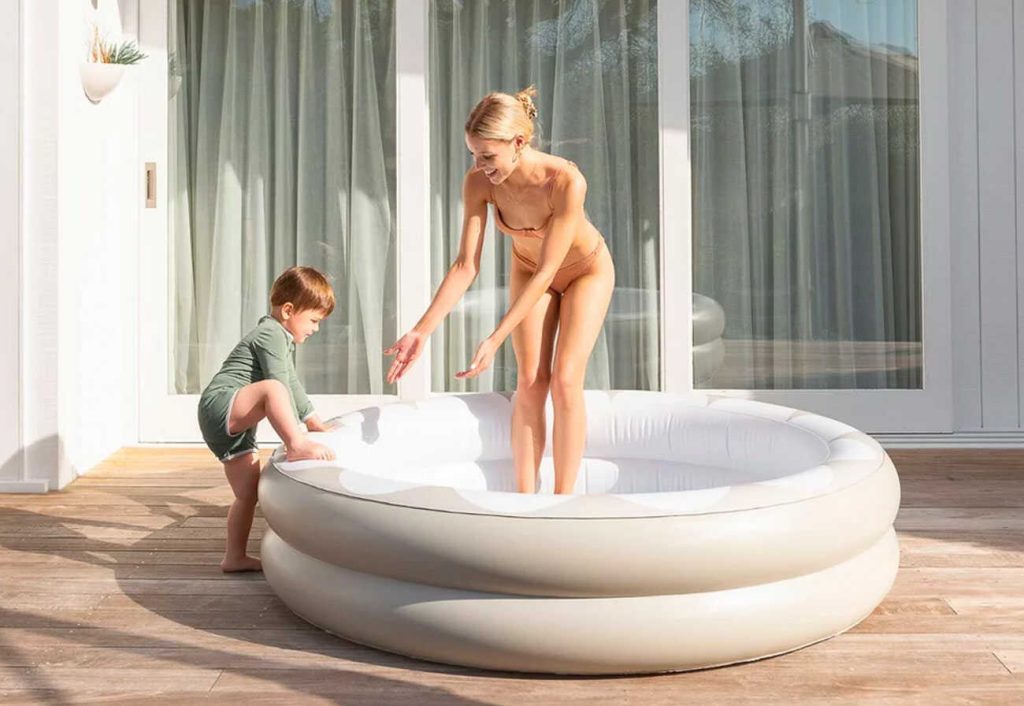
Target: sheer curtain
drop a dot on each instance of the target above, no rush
(282, 152)
(806, 189)
(594, 63)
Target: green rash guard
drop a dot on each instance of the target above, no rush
(265, 353)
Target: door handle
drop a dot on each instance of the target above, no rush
(150, 184)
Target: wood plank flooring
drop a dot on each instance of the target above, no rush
(109, 591)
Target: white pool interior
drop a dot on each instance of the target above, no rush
(637, 443)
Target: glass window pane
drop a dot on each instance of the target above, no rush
(595, 68)
(806, 192)
(281, 152)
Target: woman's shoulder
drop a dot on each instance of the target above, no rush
(566, 178)
(476, 184)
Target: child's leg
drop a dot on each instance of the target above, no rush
(270, 399)
(243, 474)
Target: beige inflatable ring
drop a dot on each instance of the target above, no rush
(703, 531)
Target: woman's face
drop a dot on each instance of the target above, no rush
(493, 157)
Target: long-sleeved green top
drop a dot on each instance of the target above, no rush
(265, 353)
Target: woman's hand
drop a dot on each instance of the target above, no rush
(482, 360)
(406, 350)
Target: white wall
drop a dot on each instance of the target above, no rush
(41, 456)
(987, 165)
(11, 460)
(79, 194)
(99, 187)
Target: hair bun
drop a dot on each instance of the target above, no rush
(525, 97)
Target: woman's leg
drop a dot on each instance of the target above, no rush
(243, 474)
(583, 308)
(533, 342)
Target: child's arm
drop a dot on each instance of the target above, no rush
(460, 276)
(274, 356)
(303, 407)
(314, 423)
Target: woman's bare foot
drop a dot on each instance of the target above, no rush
(307, 449)
(245, 563)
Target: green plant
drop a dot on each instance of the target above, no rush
(103, 52)
(126, 53)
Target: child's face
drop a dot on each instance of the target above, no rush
(302, 324)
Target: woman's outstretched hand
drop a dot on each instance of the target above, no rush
(406, 350)
(481, 361)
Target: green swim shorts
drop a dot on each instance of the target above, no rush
(214, 410)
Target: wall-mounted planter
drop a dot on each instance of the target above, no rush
(100, 79)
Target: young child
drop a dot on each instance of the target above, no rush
(258, 380)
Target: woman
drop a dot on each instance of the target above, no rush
(561, 280)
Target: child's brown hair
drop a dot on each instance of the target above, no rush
(305, 287)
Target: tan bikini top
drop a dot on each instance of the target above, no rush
(527, 232)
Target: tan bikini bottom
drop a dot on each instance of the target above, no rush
(567, 274)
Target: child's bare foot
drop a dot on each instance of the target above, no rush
(245, 563)
(307, 449)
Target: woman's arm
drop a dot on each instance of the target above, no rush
(467, 264)
(458, 279)
(567, 199)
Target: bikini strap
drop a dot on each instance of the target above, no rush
(550, 188)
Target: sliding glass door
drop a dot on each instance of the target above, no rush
(281, 150)
(806, 190)
(595, 67)
(770, 176)
(813, 227)
(272, 129)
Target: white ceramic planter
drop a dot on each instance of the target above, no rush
(100, 79)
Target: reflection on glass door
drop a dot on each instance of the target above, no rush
(595, 68)
(806, 194)
(281, 150)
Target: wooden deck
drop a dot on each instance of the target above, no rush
(110, 591)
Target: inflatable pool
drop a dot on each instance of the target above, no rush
(703, 531)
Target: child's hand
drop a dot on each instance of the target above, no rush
(406, 350)
(314, 424)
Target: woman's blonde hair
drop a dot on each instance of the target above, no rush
(500, 116)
